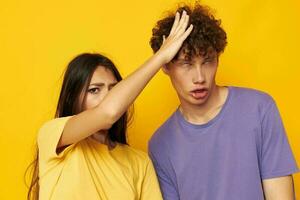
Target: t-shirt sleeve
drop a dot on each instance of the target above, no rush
(276, 157)
(167, 186)
(48, 138)
(150, 186)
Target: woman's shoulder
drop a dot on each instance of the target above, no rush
(52, 128)
(134, 154)
(54, 123)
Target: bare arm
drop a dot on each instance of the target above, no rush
(279, 188)
(120, 97)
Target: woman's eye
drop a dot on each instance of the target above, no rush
(93, 90)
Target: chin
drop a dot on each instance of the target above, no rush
(195, 102)
(199, 102)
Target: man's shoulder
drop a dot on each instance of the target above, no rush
(250, 95)
(163, 132)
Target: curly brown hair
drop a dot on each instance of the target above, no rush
(207, 35)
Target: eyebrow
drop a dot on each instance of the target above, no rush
(189, 60)
(208, 58)
(102, 84)
(181, 60)
(212, 56)
(113, 84)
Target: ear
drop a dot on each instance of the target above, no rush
(165, 69)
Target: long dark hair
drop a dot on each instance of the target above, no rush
(75, 84)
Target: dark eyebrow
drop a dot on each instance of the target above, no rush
(113, 84)
(181, 60)
(210, 57)
(97, 84)
(102, 84)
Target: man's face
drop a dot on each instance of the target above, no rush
(193, 77)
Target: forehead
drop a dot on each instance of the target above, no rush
(185, 54)
(104, 75)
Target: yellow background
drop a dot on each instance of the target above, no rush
(38, 39)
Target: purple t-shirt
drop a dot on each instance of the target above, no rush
(226, 158)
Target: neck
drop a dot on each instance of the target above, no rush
(102, 137)
(201, 114)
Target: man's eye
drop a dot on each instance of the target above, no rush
(186, 63)
(207, 61)
(93, 90)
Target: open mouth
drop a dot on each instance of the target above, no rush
(199, 93)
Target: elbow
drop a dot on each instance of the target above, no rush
(108, 124)
(110, 117)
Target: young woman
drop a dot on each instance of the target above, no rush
(83, 153)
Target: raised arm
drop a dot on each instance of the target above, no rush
(121, 96)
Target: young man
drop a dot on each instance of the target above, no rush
(222, 142)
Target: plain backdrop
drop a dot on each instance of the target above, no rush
(39, 38)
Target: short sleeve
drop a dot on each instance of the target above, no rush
(48, 138)
(150, 186)
(276, 157)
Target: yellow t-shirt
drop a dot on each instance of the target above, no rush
(87, 170)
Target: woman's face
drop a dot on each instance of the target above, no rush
(101, 82)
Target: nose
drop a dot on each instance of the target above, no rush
(198, 77)
(105, 91)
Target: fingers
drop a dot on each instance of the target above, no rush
(185, 24)
(182, 22)
(172, 44)
(179, 31)
(187, 32)
(175, 24)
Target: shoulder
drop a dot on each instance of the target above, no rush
(53, 123)
(251, 102)
(133, 155)
(252, 97)
(164, 132)
(52, 126)
(253, 94)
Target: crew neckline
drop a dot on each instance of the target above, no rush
(210, 122)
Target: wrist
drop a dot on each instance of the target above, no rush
(159, 58)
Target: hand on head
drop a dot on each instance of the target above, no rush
(179, 32)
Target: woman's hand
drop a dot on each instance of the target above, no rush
(173, 42)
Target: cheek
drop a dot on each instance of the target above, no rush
(92, 101)
(210, 73)
(181, 81)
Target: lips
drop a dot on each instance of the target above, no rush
(200, 93)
